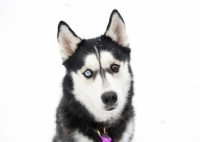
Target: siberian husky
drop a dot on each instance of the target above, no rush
(96, 105)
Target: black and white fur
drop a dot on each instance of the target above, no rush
(102, 96)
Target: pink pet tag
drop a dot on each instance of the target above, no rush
(106, 138)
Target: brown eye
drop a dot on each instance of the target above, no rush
(114, 67)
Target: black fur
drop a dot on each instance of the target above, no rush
(71, 114)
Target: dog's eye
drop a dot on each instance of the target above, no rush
(114, 67)
(88, 73)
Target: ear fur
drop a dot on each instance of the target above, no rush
(116, 29)
(67, 40)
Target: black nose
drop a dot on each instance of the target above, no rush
(109, 98)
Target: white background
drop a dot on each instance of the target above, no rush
(165, 42)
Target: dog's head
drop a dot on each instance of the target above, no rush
(98, 70)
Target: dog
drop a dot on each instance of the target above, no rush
(96, 105)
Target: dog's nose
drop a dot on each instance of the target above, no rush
(109, 98)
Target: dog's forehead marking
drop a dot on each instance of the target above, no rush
(98, 57)
(97, 52)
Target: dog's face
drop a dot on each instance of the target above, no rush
(98, 69)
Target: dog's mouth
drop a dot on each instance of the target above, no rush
(110, 108)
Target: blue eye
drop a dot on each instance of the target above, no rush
(88, 73)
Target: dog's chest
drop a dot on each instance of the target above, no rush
(126, 136)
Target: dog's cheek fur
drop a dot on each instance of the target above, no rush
(120, 83)
(86, 90)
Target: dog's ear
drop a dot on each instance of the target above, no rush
(67, 40)
(116, 29)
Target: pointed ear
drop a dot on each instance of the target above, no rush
(67, 40)
(116, 29)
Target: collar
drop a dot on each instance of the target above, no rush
(104, 135)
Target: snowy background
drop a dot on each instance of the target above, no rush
(165, 42)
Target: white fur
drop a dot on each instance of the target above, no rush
(91, 62)
(107, 59)
(118, 25)
(67, 42)
(78, 137)
(89, 91)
